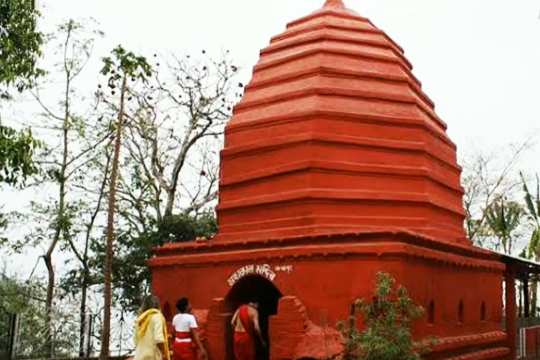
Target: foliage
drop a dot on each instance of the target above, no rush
(56, 217)
(181, 228)
(19, 298)
(387, 319)
(124, 63)
(486, 178)
(27, 299)
(533, 215)
(502, 218)
(168, 178)
(532, 207)
(130, 269)
(16, 155)
(171, 132)
(20, 45)
(16, 161)
(122, 66)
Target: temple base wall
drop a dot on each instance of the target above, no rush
(314, 286)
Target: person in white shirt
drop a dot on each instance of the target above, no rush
(185, 333)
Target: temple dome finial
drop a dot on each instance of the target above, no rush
(334, 3)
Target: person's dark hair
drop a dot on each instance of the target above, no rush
(182, 304)
(149, 302)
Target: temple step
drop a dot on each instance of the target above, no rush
(495, 353)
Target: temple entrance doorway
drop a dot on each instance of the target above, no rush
(252, 288)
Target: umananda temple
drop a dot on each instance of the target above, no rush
(336, 167)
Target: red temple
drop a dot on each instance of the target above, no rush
(336, 167)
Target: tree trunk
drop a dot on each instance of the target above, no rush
(85, 283)
(59, 224)
(82, 313)
(107, 292)
(49, 347)
(170, 202)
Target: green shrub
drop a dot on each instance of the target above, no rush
(387, 318)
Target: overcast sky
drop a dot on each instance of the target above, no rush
(478, 60)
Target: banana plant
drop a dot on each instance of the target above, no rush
(503, 217)
(533, 215)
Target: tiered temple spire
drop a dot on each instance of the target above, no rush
(334, 3)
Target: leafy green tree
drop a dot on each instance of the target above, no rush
(20, 45)
(20, 48)
(185, 227)
(532, 202)
(503, 217)
(533, 214)
(27, 300)
(72, 141)
(130, 269)
(16, 162)
(387, 319)
(16, 155)
(168, 179)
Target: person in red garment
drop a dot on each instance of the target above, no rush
(185, 333)
(245, 323)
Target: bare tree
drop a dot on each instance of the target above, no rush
(176, 131)
(486, 178)
(80, 280)
(168, 180)
(532, 201)
(63, 161)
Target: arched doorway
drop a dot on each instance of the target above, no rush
(253, 288)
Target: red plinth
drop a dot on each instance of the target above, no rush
(335, 167)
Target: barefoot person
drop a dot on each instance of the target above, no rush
(245, 323)
(185, 333)
(151, 332)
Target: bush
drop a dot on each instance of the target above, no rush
(387, 318)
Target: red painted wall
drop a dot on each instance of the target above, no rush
(330, 274)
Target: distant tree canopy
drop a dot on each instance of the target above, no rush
(20, 45)
(19, 298)
(16, 152)
(27, 300)
(20, 48)
(180, 228)
(130, 269)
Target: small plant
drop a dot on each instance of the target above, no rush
(387, 319)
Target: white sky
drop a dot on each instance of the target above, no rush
(478, 60)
